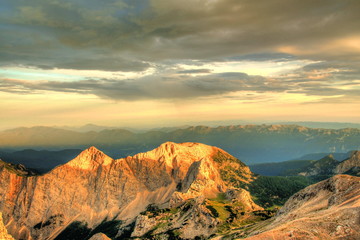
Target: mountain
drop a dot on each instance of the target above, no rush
(328, 166)
(307, 165)
(87, 128)
(315, 156)
(331, 125)
(251, 143)
(350, 165)
(94, 193)
(326, 210)
(324, 166)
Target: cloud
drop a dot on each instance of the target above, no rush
(194, 71)
(88, 34)
(150, 87)
(325, 80)
(135, 35)
(333, 81)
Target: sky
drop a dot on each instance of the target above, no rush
(141, 63)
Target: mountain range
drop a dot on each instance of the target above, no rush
(175, 191)
(322, 168)
(250, 143)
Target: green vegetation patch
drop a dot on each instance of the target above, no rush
(218, 209)
(221, 157)
(275, 191)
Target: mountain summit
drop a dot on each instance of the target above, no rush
(90, 159)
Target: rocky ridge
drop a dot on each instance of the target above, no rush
(350, 165)
(93, 189)
(329, 166)
(324, 166)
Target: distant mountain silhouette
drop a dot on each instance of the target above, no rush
(40, 160)
(250, 143)
(318, 169)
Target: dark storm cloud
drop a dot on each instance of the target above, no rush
(51, 33)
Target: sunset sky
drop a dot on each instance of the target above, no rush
(142, 63)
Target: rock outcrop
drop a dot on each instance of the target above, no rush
(327, 210)
(3, 232)
(99, 236)
(189, 220)
(94, 188)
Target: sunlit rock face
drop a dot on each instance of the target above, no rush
(94, 187)
(3, 231)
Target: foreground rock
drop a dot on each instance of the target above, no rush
(94, 191)
(99, 236)
(327, 210)
(3, 232)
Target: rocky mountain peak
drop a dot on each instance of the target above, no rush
(179, 153)
(90, 159)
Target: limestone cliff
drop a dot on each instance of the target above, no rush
(94, 188)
